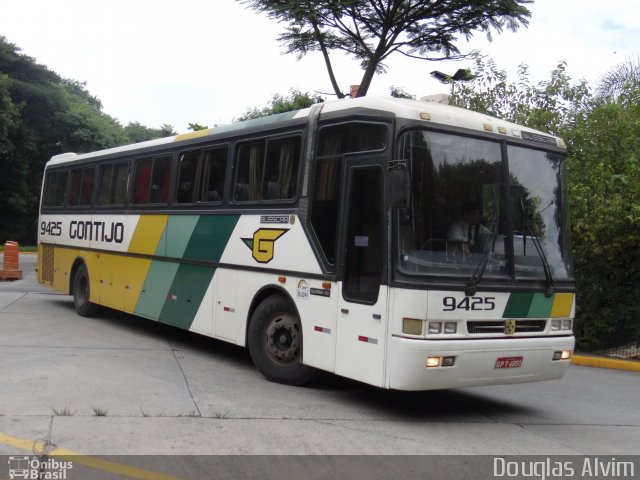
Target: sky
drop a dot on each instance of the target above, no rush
(208, 61)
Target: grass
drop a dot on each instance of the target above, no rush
(100, 412)
(24, 249)
(63, 412)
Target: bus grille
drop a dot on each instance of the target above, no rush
(498, 327)
(47, 263)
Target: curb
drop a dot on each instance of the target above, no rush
(604, 362)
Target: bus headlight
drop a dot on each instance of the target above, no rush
(412, 326)
(557, 324)
(433, 362)
(435, 328)
(562, 355)
(450, 327)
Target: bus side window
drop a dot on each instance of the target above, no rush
(105, 182)
(215, 166)
(73, 196)
(114, 179)
(187, 177)
(161, 179)
(142, 181)
(86, 188)
(249, 163)
(153, 180)
(56, 188)
(281, 169)
(120, 183)
(270, 175)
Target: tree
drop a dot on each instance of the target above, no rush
(372, 30)
(551, 105)
(604, 189)
(137, 132)
(14, 181)
(296, 100)
(621, 82)
(166, 130)
(41, 115)
(196, 127)
(399, 92)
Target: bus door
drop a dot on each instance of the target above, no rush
(362, 300)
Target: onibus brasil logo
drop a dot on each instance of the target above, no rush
(262, 243)
(38, 468)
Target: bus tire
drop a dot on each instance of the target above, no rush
(275, 342)
(82, 293)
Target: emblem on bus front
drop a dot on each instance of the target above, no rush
(509, 327)
(262, 244)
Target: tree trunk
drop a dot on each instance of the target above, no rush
(327, 61)
(367, 78)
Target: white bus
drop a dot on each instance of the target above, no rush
(330, 238)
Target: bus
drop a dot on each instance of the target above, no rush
(321, 239)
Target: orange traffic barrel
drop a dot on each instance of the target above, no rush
(11, 262)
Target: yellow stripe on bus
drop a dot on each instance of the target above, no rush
(562, 305)
(196, 134)
(147, 234)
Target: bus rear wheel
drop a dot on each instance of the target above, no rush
(82, 293)
(275, 342)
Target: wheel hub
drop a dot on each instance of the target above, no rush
(283, 343)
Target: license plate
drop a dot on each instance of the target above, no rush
(509, 362)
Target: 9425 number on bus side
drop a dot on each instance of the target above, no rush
(450, 304)
(51, 228)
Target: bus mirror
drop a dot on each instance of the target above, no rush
(399, 183)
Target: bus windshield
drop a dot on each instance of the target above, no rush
(469, 206)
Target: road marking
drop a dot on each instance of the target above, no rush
(94, 463)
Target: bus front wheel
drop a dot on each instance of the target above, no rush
(275, 342)
(82, 293)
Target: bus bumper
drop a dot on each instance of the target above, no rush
(475, 362)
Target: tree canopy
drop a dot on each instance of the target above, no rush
(296, 100)
(372, 30)
(41, 115)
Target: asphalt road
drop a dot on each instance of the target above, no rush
(120, 385)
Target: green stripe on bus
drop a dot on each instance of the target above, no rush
(518, 305)
(173, 291)
(528, 305)
(185, 295)
(179, 232)
(155, 290)
(540, 306)
(210, 237)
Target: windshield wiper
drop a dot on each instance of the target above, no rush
(538, 246)
(489, 247)
(545, 264)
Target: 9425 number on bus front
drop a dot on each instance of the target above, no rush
(450, 304)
